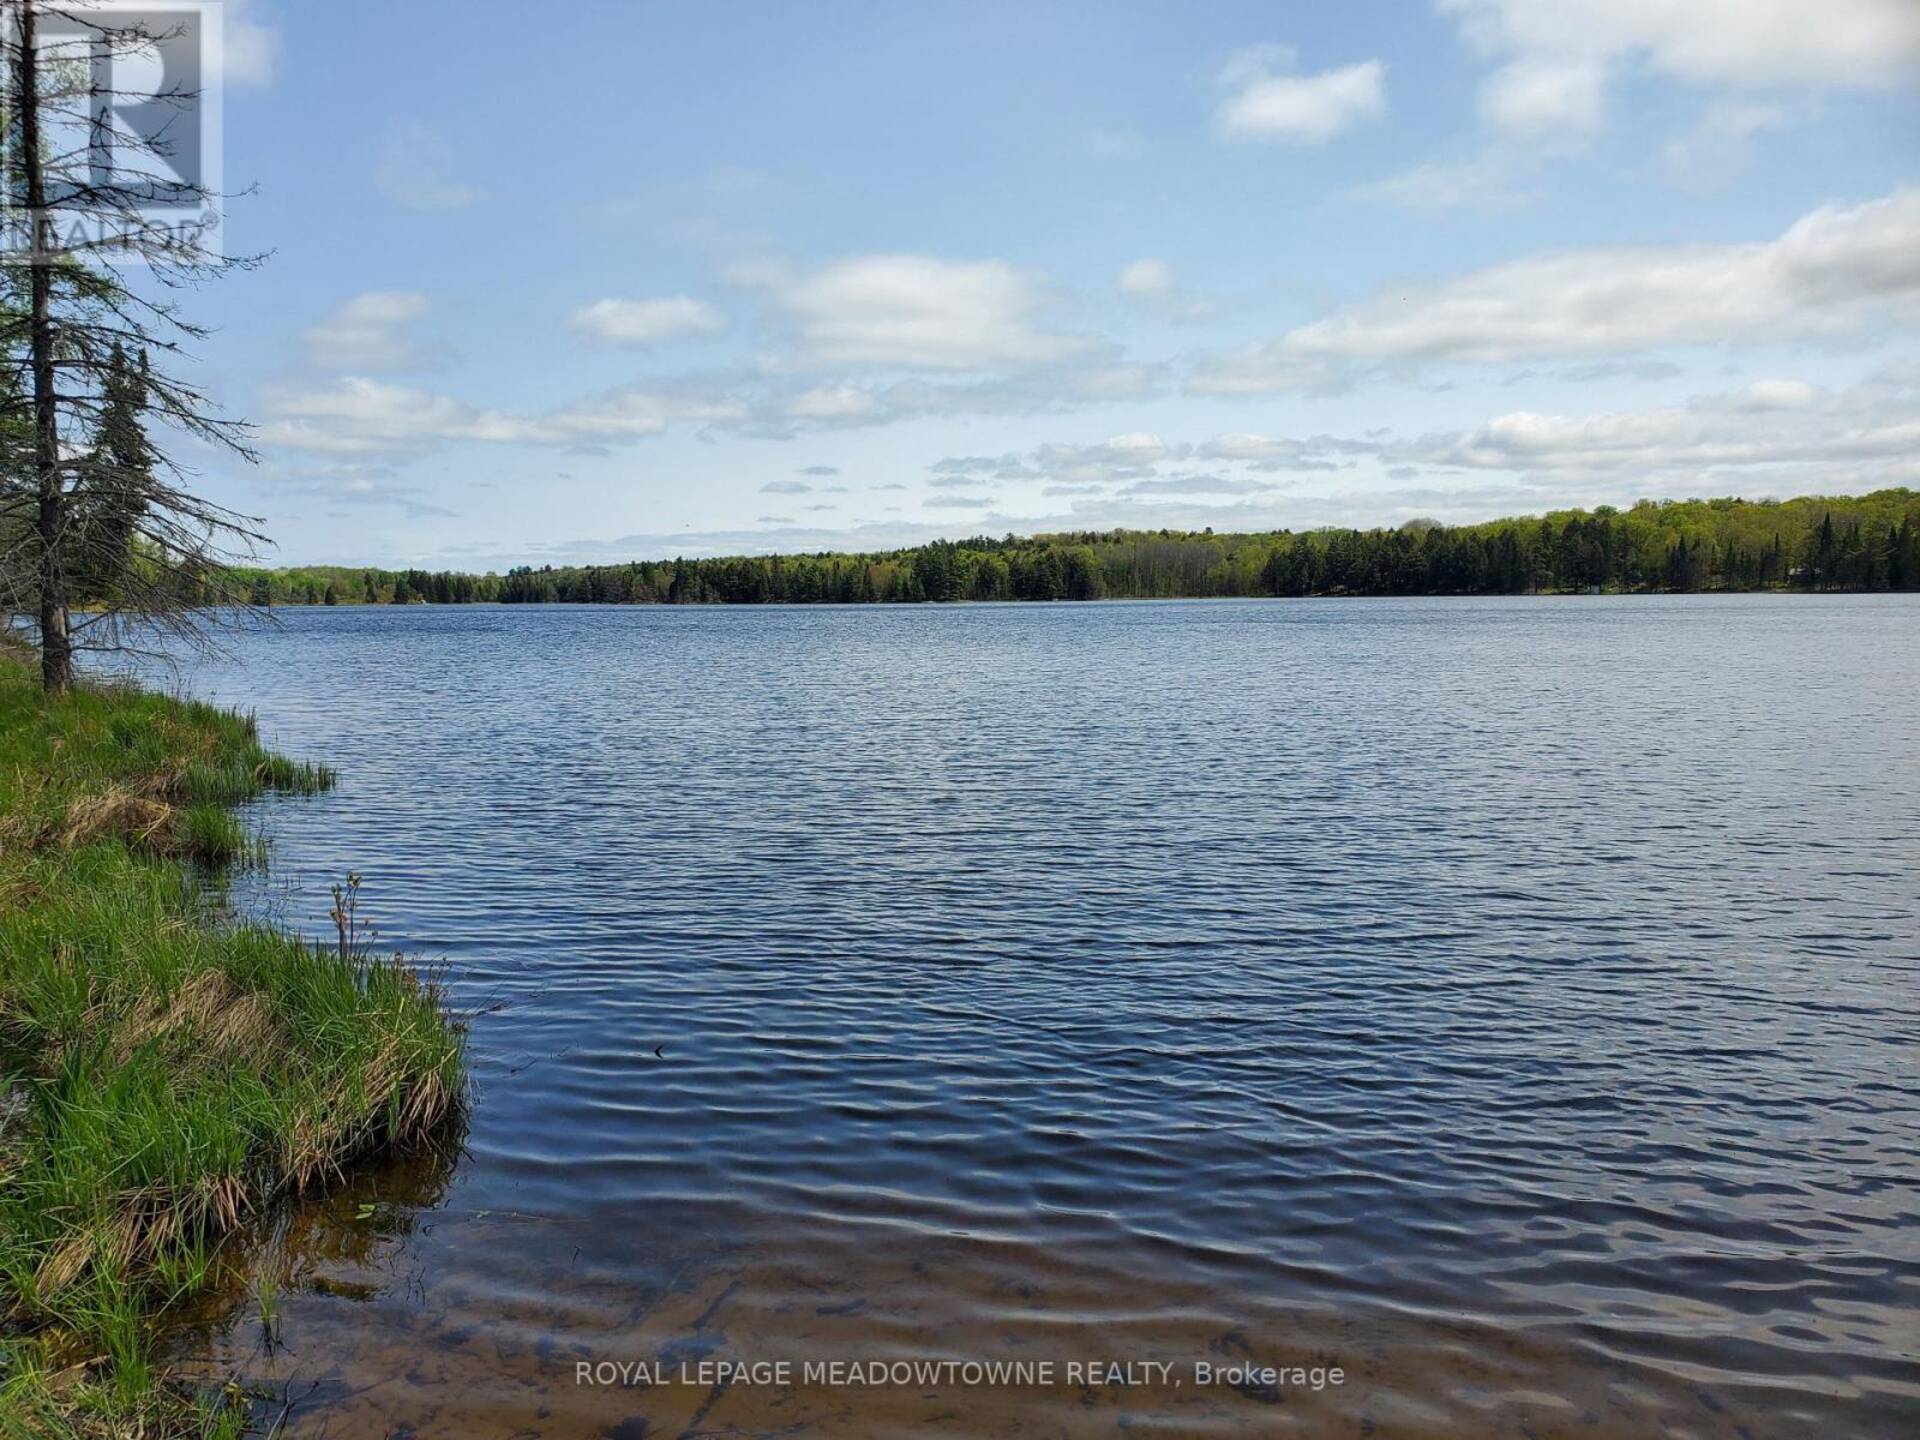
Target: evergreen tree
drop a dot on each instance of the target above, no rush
(110, 497)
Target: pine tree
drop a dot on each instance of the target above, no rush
(68, 317)
(109, 498)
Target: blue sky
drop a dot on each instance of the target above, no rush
(604, 280)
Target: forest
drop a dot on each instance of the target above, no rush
(1862, 543)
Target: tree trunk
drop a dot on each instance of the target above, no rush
(56, 646)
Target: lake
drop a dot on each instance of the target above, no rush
(1510, 1004)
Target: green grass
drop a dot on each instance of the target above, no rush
(167, 1076)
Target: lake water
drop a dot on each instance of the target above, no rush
(1513, 1003)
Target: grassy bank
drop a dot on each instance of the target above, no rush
(165, 1074)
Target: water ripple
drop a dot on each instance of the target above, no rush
(1516, 998)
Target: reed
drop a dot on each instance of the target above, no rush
(167, 1073)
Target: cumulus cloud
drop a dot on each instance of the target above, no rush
(785, 487)
(1537, 96)
(366, 333)
(645, 322)
(358, 415)
(1771, 435)
(1836, 271)
(1556, 56)
(922, 312)
(1120, 457)
(1303, 109)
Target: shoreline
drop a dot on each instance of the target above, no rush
(169, 1075)
(1776, 592)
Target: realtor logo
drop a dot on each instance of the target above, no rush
(129, 120)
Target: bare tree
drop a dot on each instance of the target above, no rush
(102, 543)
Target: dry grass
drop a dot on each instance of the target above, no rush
(165, 1076)
(116, 812)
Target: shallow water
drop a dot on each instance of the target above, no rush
(1511, 1003)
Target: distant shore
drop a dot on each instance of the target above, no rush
(1812, 544)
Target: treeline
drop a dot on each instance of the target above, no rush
(346, 585)
(1869, 542)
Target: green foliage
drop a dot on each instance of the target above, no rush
(164, 1072)
(115, 477)
(1869, 542)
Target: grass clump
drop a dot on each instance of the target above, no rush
(165, 1075)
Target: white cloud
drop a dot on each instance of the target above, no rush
(1120, 457)
(365, 334)
(1197, 485)
(1847, 43)
(1151, 283)
(922, 312)
(1116, 455)
(1146, 278)
(1536, 96)
(1261, 452)
(1717, 149)
(833, 402)
(963, 470)
(1836, 271)
(250, 48)
(1244, 446)
(361, 416)
(786, 487)
(1305, 109)
(1771, 435)
(1839, 441)
(643, 322)
(1778, 395)
(1480, 183)
(960, 502)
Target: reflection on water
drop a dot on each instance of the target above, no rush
(1508, 1003)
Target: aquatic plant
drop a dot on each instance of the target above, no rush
(166, 1072)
